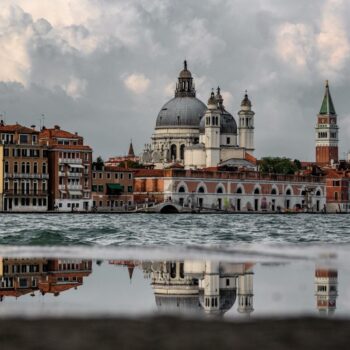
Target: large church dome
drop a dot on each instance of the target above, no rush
(184, 110)
(181, 112)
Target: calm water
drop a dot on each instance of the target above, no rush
(143, 229)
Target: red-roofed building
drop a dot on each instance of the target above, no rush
(70, 163)
(23, 170)
(112, 188)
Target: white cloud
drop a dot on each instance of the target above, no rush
(75, 87)
(137, 83)
(332, 41)
(294, 44)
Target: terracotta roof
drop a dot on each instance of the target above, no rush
(250, 158)
(118, 169)
(55, 145)
(149, 173)
(17, 128)
(58, 133)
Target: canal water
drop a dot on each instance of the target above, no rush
(227, 266)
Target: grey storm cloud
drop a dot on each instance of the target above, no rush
(105, 68)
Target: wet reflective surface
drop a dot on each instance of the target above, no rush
(188, 286)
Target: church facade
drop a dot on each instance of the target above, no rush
(198, 135)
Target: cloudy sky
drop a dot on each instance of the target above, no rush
(105, 67)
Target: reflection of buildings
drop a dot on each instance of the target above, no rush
(207, 286)
(326, 289)
(23, 276)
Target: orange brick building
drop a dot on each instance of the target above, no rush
(112, 189)
(70, 162)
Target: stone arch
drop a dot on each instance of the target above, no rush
(169, 209)
(274, 190)
(201, 188)
(173, 152)
(318, 192)
(220, 189)
(240, 189)
(289, 191)
(182, 187)
(257, 190)
(182, 152)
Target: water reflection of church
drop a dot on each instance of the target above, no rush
(19, 276)
(201, 286)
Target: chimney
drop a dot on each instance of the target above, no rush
(33, 127)
(57, 127)
(2, 122)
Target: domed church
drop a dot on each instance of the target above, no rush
(197, 135)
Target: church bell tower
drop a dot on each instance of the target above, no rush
(212, 132)
(246, 125)
(327, 131)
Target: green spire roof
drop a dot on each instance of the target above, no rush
(327, 103)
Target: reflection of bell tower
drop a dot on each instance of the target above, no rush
(245, 293)
(212, 287)
(326, 289)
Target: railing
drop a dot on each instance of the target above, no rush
(21, 193)
(71, 174)
(61, 173)
(61, 187)
(26, 176)
(70, 160)
(74, 187)
(247, 175)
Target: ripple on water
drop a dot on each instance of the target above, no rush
(145, 229)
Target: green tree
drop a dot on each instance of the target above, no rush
(98, 164)
(278, 165)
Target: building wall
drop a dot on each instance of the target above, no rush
(1, 176)
(103, 198)
(257, 194)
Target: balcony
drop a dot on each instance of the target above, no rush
(61, 187)
(70, 161)
(61, 173)
(20, 193)
(26, 176)
(71, 174)
(74, 187)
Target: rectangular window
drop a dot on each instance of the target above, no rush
(94, 188)
(100, 188)
(129, 189)
(130, 176)
(23, 138)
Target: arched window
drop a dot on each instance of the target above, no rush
(23, 167)
(219, 190)
(182, 152)
(182, 189)
(44, 168)
(35, 168)
(256, 191)
(273, 191)
(6, 167)
(173, 153)
(15, 167)
(28, 168)
(201, 189)
(239, 190)
(318, 193)
(288, 192)
(172, 270)
(303, 193)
